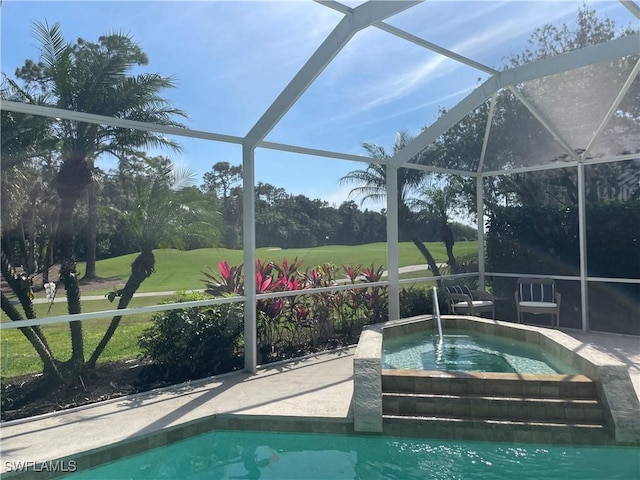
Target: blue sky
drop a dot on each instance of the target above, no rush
(231, 59)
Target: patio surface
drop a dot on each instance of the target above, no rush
(317, 389)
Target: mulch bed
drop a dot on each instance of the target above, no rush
(28, 395)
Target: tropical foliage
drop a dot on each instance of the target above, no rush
(194, 342)
(371, 184)
(304, 321)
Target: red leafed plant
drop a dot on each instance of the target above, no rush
(286, 324)
(228, 281)
(371, 274)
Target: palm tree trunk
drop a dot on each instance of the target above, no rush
(5, 247)
(31, 226)
(92, 231)
(22, 290)
(49, 255)
(446, 235)
(69, 276)
(22, 245)
(18, 284)
(451, 259)
(141, 268)
(72, 179)
(427, 256)
(43, 351)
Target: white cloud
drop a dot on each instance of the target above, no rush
(496, 32)
(341, 194)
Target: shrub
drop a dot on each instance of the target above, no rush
(194, 342)
(466, 264)
(415, 301)
(291, 324)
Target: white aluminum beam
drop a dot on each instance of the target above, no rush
(487, 131)
(393, 262)
(532, 168)
(446, 171)
(385, 27)
(582, 237)
(318, 153)
(52, 112)
(446, 121)
(435, 48)
(553, 166)
(543, 121)
(530, 274)
(480, 194)
(58, 113)
(632, 7)
(480, 215)
(619, 47)
(249, 256)
(359, 18)
(85, 317)
(614, 158)
(614, 106)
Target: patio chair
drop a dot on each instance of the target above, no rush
(463, 300)
(538, 295)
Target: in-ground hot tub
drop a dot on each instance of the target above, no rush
(610, 377)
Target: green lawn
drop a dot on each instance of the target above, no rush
(23, 359)
(181, 270)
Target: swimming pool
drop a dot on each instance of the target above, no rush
(268, 455)
(469, 351)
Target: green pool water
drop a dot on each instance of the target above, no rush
(262, 455)
(467, 351)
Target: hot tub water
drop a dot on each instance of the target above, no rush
(469, 351)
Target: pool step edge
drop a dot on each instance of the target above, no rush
(489, 384)
(494, 407)
(481, 429)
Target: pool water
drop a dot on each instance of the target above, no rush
(268, 455)
(469, 351)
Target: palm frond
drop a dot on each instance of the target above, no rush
(53, 46)
(183, 177)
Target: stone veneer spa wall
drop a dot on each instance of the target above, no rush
(614, 388)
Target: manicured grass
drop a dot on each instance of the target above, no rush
(23, 359)
(180, 270)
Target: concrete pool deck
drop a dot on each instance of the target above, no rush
(310, 394)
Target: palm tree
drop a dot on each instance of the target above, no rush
(372, 185)
(156, 218)
(93, 78)
(435, 200)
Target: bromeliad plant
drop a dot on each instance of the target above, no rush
(290, 323)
